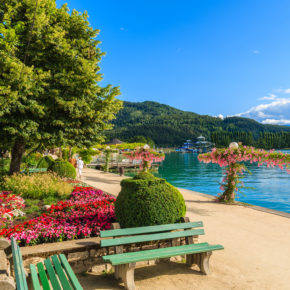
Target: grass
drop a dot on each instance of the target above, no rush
(35, 207)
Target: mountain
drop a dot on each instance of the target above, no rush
(168, 126)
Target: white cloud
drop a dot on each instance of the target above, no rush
(275, 111)
(276, 122)
(220, 116)
(269, 97)
(287, 91)
(256, 51)
(122, 28)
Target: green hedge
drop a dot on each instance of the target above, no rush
(146, 200)
(63, 169)
(45, 162)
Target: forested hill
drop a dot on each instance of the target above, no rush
(168, 126)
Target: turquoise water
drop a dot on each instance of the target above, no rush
(271, 185)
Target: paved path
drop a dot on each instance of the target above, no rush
(256, 255)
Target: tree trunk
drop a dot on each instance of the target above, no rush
(17, 152)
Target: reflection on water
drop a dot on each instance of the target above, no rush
(271, 185)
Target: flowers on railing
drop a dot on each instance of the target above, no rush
(146, 155)
(232, 159)
(83, 215)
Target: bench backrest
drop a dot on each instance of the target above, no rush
(20, 276)
(150, 233)
(57, 270)
(35, 170)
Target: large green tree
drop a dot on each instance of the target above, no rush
(49, 74)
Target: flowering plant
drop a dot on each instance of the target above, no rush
(10, 206)
(84, 214)
(231, 158)
(146, 155)
(37, 186)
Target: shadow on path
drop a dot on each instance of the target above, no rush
(107, 280)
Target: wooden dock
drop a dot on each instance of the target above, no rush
(117, 165)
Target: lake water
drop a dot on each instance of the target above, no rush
(271, 186)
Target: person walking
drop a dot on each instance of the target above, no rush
(80, 166)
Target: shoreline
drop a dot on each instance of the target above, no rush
(240, 203)
(256, 244)
(212, 197)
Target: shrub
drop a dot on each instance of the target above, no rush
(45, 162)
(146, 200)
(31, 160)
(63, 169)
(37, 186)
(4, 166)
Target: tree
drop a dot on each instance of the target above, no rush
(234, 158)
(146, 155)
(142, 139)
(49, 74)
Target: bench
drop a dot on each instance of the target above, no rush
(124, 263)
(57, 268)
(34, 170)
(37, 170)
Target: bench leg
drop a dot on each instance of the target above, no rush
(201, 260)
(117, 271)
(126, 273)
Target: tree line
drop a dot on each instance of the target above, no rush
(170, 127)
(266, 140)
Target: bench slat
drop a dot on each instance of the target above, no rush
(149, 229)
(148, 238)
(132, 257)
(52, 276)
(23, 272)
(70, 273)
(61, 275)
(34, 277)
(43, 277)
(19, 273)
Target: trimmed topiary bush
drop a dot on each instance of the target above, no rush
(45, 162)
(63, 169)
(146, 200)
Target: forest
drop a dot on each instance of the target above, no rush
(168, 127)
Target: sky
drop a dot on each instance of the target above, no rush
(219, 58)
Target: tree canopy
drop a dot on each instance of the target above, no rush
(49, 74)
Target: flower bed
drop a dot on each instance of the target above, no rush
(10, 206)
(84, 214)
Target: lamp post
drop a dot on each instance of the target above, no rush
(107, 158)
(234, 145)
(146, 163)
(146, 147)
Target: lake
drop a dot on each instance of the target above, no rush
(271, 186)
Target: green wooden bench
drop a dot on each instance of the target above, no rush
(34, 170)
(55, 273)
(124, 263)
(37, 170)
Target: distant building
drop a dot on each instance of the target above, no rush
(202, 145)
(115, 141)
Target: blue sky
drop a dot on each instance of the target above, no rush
(209, 57)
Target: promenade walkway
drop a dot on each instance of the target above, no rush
(256, 255)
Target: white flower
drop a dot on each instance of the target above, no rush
(17, 212)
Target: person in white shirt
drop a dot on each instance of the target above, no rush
(80, 166)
